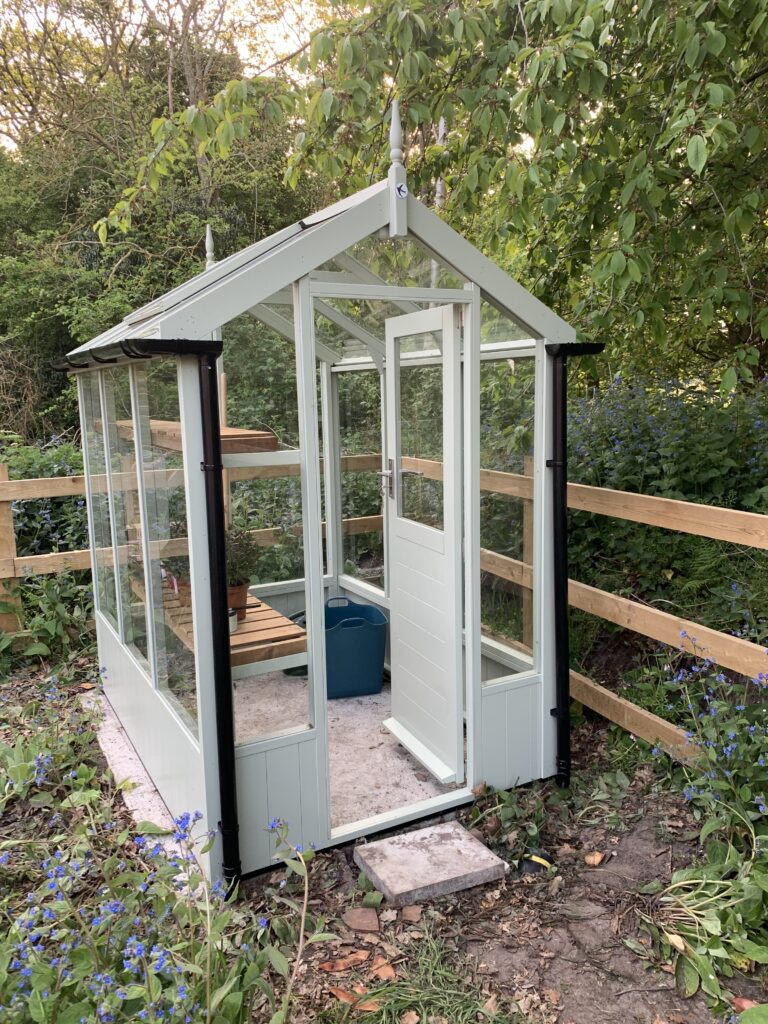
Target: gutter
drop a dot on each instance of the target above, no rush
(559, 466)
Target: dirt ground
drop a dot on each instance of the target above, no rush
(559, 947)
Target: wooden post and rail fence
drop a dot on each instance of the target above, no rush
(748, 529)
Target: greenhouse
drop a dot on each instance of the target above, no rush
(361, 419)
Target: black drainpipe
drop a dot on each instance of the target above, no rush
(217, 562)
(207, 353)
(559, 466)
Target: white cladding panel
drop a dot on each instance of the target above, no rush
(510, 734)
(164, 745)
(278, 779)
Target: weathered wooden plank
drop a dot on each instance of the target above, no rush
(747, 528)
(728, 651)
(9, 620)
(629, 716)
(507, 568)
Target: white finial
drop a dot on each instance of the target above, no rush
(210, 257)
(396, 135)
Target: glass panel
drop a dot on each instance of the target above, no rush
(260, 364)
(274, 683)
(420, 414)
(498, 327)
(93, 443)
(125, 508)
(361, 498)
(270, 508)
(395, 261)
(166, 504)
(506, 514)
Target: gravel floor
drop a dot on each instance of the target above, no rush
(370, 771)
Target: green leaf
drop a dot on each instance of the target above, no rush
(755, 1015)
(729, 380)
(326, 103)
(149, 828)
(715, 42)
(373, 899)
(628, 225)
(686, 977)
(751, 949)
(74, 1013)
(706, 315)
(278, 961)
(36, 1007)
(618, 262)
(37, 648)
(697, 153)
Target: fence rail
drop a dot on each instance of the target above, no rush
(744, 528)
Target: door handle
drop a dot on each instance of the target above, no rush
(387, 478)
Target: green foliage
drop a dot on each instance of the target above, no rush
(243, 556)
(45, 524)
(610, 153)
(113, 922)
(674, 440)
(57, 611)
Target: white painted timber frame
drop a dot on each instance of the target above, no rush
(313, 267)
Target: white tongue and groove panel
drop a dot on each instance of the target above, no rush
(425, 575)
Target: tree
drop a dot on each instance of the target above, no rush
(610, 152)
(78, 82)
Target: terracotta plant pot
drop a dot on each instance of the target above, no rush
(237, 598)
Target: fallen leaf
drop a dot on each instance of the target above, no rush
(409, 1017)
(594, 859)
(345, 962)
(491, 1005)
(741, 1003)
(412, 914)
(87, 686)
(382, 969)
(676, 941)
(659, 1020)
(353, 999)
(361, 919)
(551, 996)
(388, 916)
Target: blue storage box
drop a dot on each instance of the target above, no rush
(355, 640)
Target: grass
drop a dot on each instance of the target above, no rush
(438, 987)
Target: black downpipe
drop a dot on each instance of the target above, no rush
(217, 563)
(559, 466)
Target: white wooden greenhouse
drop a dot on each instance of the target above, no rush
(379, 409)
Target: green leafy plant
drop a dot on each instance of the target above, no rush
(118, 923)
(243, 556)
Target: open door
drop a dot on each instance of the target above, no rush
(423, 505)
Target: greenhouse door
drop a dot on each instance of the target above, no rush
(423, 505)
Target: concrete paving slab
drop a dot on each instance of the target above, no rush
(428, 863)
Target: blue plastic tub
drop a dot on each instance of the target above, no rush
(355, 639)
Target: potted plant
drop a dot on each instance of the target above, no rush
(176, 576)
(243, 557)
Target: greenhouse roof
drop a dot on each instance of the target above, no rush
(263, 273)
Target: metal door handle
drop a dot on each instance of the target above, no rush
(387, 477)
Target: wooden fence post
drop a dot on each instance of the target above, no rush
(10, 621)
(528, 556)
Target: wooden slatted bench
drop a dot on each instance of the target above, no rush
(264, 635)
(234, 440)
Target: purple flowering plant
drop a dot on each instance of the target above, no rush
(107, 924)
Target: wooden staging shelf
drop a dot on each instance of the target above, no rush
(234, 440)
(263, 635)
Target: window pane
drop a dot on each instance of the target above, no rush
(420, 413)
(506, 513)
(125, 507)
(260, 364)
(361, 499)
(162, 466)
(93, 443)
